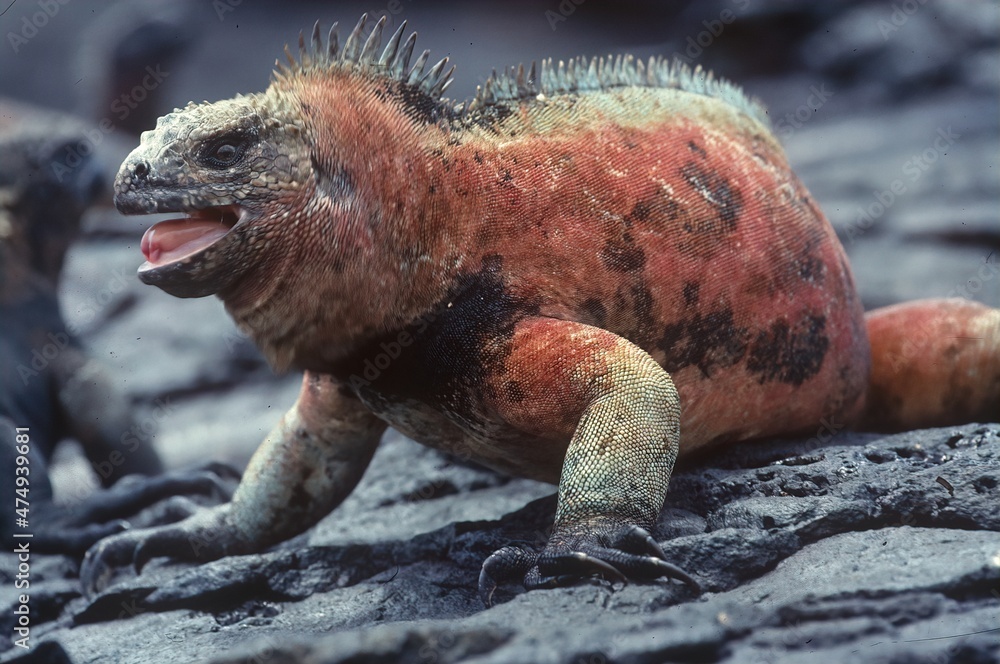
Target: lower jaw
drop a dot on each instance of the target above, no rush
(176, 279)
(198, 275)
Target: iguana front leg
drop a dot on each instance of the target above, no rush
(625, 417)
(304, 468)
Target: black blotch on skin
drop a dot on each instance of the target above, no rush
(691, 293)
(789, 354)
(637, 299)
(597, 311)
(419, 105)
(640, 212)
(655, 211)
(697, 149)
(622, 255)
(490, 117)
(715, 188)
(643, 299)
(707, 341)
(809, 268)
(457, 347)
(672, 209)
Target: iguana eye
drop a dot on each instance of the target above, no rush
(225, 151)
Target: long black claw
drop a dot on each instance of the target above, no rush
(487, 586)
(617, 552)
(506, 564)
(145, 551)
(162, 544)
(580, 564)
(101, 560)
(636, 539)
(675, 572)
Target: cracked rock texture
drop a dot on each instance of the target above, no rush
(841, 547)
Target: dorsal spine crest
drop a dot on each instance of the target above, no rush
(580, 75)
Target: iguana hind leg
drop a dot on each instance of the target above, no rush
(625, 417)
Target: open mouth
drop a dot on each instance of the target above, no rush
(174, 240)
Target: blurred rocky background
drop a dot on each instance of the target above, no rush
(843, 547)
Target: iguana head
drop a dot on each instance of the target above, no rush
(230, 168)
(243, 171)
(288, 200)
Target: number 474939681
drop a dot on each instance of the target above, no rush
(21, 504)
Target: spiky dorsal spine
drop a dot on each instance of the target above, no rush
(579, 75)
(582, 75)
(360, 54)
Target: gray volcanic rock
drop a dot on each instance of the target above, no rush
(843, 547)
(850, 551)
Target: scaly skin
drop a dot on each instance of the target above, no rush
(575, 282)
(936, 363)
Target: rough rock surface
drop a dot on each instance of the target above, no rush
(857, 548)
(844, 547)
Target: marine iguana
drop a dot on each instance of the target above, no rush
(581, 273)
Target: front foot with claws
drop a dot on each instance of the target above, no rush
(615, 552)
(206, 536)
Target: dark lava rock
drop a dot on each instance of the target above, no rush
(869, 558)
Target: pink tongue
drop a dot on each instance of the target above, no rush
(174, 239)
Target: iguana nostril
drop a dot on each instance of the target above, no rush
(141, 169)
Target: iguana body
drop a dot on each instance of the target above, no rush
(572, 280)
